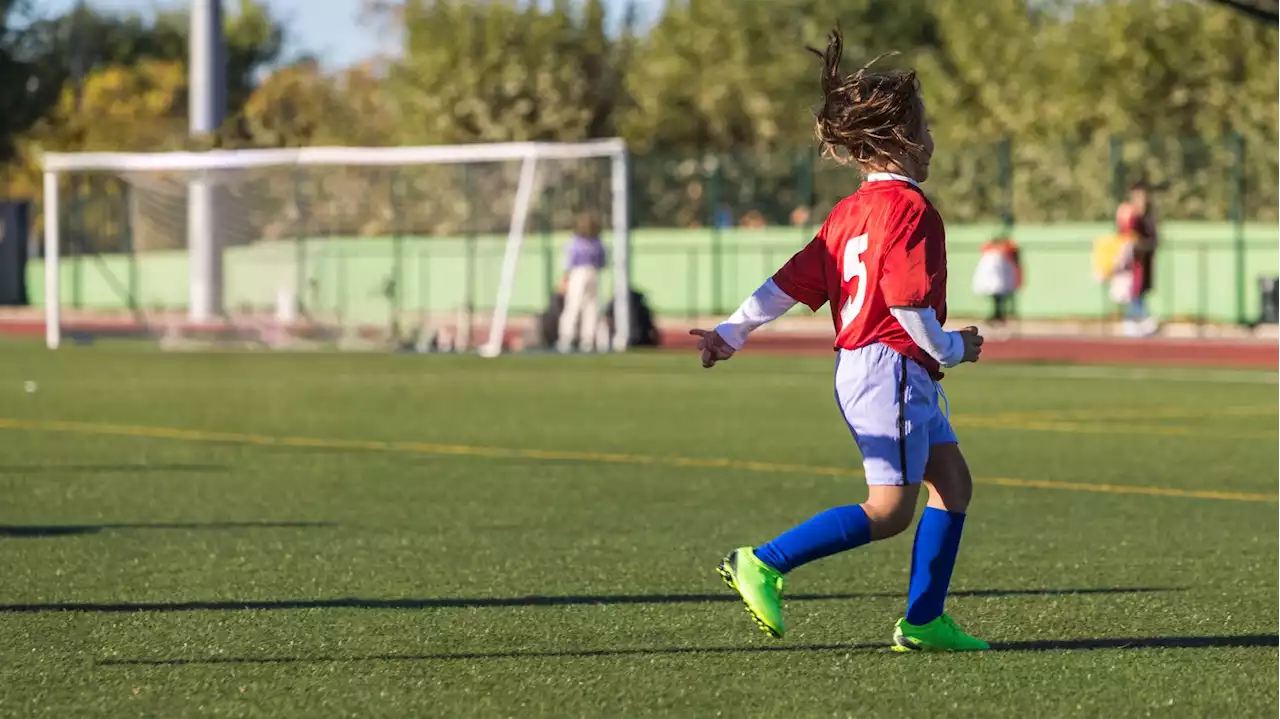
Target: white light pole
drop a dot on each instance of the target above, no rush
(207, 108)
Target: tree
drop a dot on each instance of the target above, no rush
(735, 73)
(1039, 107)
(29, 82)
(138, 107)
(506, 71)
(722, 95)
(291, 107)
(42, 57)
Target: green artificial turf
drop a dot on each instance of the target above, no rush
(297, 535)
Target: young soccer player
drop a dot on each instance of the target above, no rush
(584, 259)
(880, 260)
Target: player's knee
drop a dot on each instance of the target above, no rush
(890, 517)
(894, 524)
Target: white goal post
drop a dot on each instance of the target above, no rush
(201, 169)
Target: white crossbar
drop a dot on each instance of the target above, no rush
(320, 156)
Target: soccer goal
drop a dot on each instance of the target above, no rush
(430, 247)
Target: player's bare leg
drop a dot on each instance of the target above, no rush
(948, 479)
(926, 627)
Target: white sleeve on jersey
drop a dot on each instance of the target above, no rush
(925, 330)
(765, 305)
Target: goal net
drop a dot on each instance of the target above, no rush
(442, 247)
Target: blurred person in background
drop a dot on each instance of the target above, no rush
(724, 216)
(999, 276)
(753, 220)
(584, 258)
(1113, 266)
(1135, 222)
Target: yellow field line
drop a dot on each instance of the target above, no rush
(1074, 427)
(410, 447)
(1124, 414)
(562, 455)
(1129, 489)
(1034, 425)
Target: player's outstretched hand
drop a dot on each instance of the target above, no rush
(972, 344)
(713, 347)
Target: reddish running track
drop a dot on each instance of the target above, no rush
(1233, 353)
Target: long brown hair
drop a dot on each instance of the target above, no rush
(868, 117)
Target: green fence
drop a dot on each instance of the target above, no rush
(372, 243)
(683, 272)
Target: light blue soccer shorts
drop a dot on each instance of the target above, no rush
(891, 406)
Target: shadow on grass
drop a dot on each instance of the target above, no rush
(529, 601)
(37, 531)
(139, 468)
(1228, 640)
(1225, 641)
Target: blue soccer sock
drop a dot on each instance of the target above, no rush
(932, 560)
(827, 533)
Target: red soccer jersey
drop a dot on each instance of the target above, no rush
(884, 246)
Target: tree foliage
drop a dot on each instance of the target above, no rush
(505, 71)
(1039, 107)
(55, 63)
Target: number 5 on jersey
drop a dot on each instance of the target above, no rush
(854, 267)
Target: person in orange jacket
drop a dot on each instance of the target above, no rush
(999, 276)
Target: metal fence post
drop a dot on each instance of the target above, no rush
(1115, 155)
(691, 308)
(1202, 285)
(547, 246)
(397, 254)
(717, 239)
(126, 227)
(300, 249)
(469, 263)
(1237, 219)
(811, 159)
(424, 279)
(340, 291)
(76, 244)
(804, 180)
(1004, 162)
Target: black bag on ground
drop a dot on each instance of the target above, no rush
(549, 322)
(644, 333)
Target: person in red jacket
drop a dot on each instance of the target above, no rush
(1136, 219)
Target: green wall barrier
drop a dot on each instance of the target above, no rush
(683, 272)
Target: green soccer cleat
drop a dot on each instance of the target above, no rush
(940, 635)
(760, 587)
